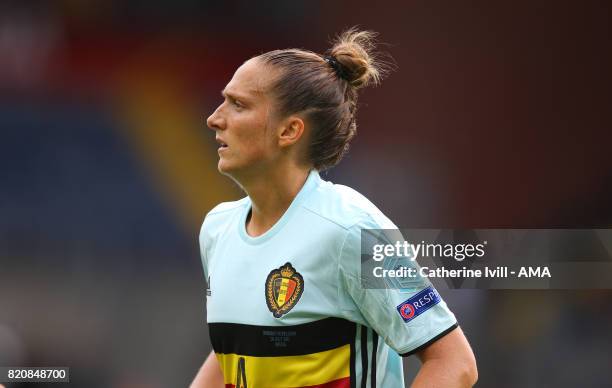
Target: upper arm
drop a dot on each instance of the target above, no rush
(452, 345)
(210, 374)
(453, 354)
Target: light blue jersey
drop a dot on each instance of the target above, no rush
(287, 308)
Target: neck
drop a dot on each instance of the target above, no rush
(271, 195)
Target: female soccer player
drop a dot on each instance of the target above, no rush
(285, 303)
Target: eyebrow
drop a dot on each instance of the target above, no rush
(251, 93)
(224, 94)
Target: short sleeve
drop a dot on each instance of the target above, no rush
(408, 319)
(204, 243)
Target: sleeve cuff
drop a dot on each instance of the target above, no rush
(431, 341)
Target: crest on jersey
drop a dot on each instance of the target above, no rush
(284, 287)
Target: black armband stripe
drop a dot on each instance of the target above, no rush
(431, 341)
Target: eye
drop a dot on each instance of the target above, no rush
(237, 104)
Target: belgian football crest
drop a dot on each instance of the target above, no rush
(284, 287)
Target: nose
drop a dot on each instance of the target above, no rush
(215, 121)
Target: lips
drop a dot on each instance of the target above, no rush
(222, 144)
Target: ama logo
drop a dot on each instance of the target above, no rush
(418, 304)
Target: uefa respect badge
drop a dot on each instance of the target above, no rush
(418, 304)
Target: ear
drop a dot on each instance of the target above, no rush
(291, 131)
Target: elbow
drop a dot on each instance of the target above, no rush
(469, 369)
(469, 373)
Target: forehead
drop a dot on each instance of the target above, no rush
(252, 79)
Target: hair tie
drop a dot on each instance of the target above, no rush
(338, 68)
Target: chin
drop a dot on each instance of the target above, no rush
(225, 168)
(222, 167)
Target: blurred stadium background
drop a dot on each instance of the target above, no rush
(498, 116)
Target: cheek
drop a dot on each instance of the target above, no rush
(256, 148)
(255, 139)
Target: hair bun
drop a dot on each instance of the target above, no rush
(338, 68)
(353, 54)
